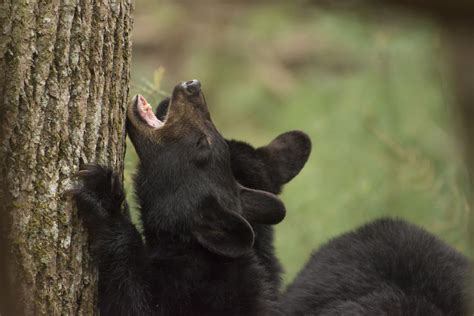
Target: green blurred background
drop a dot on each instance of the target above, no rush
(370, 90)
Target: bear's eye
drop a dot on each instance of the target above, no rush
(202, 143)
(203, 150)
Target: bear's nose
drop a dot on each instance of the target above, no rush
(192, 86)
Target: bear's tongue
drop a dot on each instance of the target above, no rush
(146, 113)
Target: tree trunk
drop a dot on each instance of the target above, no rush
(64, 76)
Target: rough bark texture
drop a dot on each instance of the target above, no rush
(64, 75)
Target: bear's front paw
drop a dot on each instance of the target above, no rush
(101, 193)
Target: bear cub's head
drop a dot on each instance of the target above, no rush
(185, 184)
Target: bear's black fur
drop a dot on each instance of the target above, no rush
(122, 259)
(268, 168)
(198, 258)
(265, 168)
(386, 267)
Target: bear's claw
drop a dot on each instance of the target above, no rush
(100, 193)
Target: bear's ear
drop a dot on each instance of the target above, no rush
(286, 155)
(260, 207)
(223, 232)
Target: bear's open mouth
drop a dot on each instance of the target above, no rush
(145, 112)
(186, 91)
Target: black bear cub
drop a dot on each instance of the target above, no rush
(265, 168)
(198, 258)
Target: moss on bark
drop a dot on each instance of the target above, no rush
(64, 76)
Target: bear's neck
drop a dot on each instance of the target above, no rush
(194, 281)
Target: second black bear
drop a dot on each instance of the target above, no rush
(268, 168)
(387, 267)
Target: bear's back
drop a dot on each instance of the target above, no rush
(387, 266)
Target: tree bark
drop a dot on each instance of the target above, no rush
(64, 77)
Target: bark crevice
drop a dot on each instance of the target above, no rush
(64, 75)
